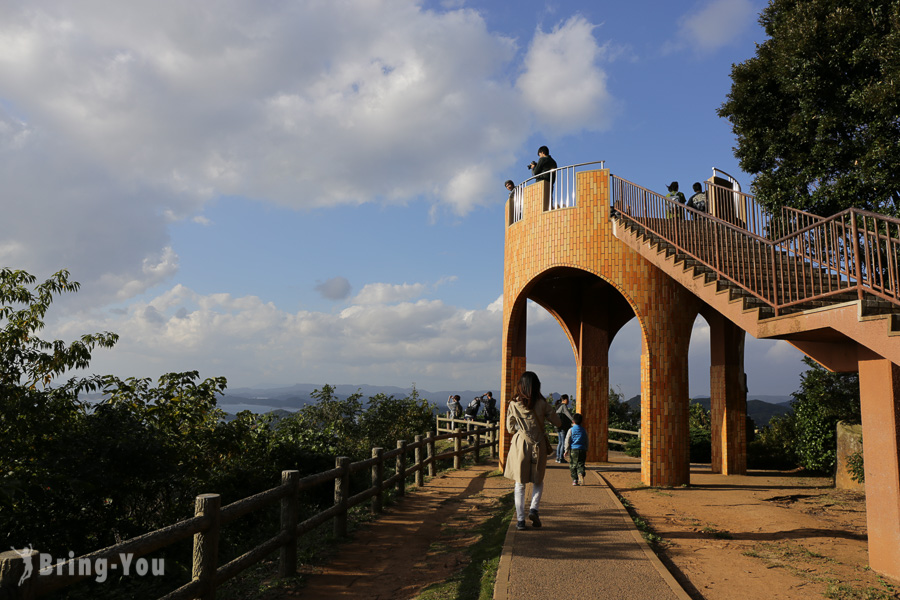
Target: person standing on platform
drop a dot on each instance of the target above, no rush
(526, 462)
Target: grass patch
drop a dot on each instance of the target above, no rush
(793, 558)
(476, 580)
(719, 534)
(843, 591)
(650, 536)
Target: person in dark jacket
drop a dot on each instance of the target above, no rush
(544, 163)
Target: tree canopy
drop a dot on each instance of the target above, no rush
(816, 111)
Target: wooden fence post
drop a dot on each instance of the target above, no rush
(457, 447)
(377, 479)
(430, 453)
(287, 557)
(206, 544)
(492, 439)
(14, 565)
(476, 453)
(420, 471)
(341, 493)
(401, 467)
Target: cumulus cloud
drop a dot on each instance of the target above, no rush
(563, 83)
(245, 339)
(118, 120)
(382, 293)
(716, 24)
(336, 288)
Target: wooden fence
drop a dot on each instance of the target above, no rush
(451, 424)
(210, 516)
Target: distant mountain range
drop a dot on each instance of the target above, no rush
(761, 411)
(292, 398)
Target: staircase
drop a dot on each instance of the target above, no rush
(826, 286)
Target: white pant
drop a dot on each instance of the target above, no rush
(519, 494)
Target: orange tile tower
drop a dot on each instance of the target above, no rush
(568, 261)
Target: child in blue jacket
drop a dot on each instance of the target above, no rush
(576, 449)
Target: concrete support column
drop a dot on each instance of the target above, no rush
(879, 391)
(592, 371)
(728, 396)
(665, 438)
(592, 392)
(514, 365)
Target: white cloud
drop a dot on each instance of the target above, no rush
(717, 24)
(246, 340)
(385, 293)
(563, 83)
(118, 120)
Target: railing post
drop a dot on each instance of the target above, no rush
(420, 471)
(287, 557)
(457, 447)
(856, 264)
(430, 453)
(476, 452)
(377, 479)
(401, 468)
(341, 493)
(206, 544)
(493, 441)
(14, 565)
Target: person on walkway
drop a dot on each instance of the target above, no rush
(453, 407)
(698, 200)
(473, 408)
(491, 414)
(528, 449)
(576, 450)
(565, 417)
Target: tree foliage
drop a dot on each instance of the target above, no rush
(824, 398)
(807, 437)
(816, 111)
(78, 475)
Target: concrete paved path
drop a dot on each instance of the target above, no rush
(587, 548)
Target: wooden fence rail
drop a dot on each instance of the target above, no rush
(209, 518)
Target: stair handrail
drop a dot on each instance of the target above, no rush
(807, 264)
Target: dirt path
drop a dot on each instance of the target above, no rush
(772, 536)
(767, 535)
(416, 543)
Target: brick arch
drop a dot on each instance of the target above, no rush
(553, 256)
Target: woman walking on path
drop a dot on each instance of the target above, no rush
(527, 459)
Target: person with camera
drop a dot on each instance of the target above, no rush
(544, 163)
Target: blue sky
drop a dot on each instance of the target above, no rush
(289, 192)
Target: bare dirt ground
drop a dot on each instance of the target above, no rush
(418, 542)
(767, 535)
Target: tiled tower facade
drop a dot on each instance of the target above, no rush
(568, 261)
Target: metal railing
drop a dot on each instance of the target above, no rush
(785, 261)
(210, 516)
(562, 190)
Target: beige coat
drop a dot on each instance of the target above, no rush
(529, 447)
